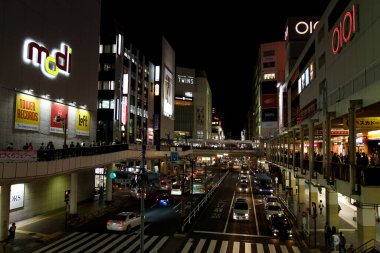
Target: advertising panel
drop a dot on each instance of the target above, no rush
(168, 93)
(269, 114)
(367, 123)
(300, 28)
(124, 110)
(150, 136)
(17, 196)
(269, 101)
(58, 111)
(27, 113)
(82, 126)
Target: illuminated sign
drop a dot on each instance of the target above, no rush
(367, 123)
(82, 122)
(51, 63)
(344, 31)
(167, 94)
(300, 28)
(184, 98)
(269, 76)
(17, 196)
(61, 111)
(185, 79)
(27, 113)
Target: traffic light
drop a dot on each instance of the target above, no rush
(67, 195)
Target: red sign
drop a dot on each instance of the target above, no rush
(269, 101)
(334, 132)
(61, 111)
(344, 31)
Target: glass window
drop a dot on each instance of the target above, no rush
(268, 53)
(105, 104)
(271, 64)
(107, 49)
(114, 48)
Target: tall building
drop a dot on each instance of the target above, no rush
(193, 105)
(124, 91)
(269, 71)
(45, 85)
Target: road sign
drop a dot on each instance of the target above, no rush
(174, 156)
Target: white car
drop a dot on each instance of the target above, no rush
(240, 210)
(124, 221)
(176, 190)
(272, 208)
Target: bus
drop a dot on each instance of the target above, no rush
(201, 185)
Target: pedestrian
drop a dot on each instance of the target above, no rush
(12, 232)
(335, 242)
(321, 206)
(350, 249)
(342, 243)
(327, 233)
(42, 147)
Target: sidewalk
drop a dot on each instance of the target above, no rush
(33, 232)
(346, 224)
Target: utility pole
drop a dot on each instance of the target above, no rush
(142, 167)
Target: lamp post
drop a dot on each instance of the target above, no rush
(63, 121)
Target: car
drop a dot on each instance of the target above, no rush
(176, 190)
(136, 193)
(164, 199)
(243, 179)
(240, 210)
(271, 198)
(123, 221)
(242, 187)
(272, 208)
(281, 226)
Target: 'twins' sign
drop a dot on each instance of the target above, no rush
(51, 63)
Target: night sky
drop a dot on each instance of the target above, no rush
(221, 38)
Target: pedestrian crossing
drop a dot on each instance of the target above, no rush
(86, 242)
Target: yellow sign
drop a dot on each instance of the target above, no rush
(83, 122)
(368, 123)
(27, 113)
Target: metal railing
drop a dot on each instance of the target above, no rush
(188, 219)
(368, 247)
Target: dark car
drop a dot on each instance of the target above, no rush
(164, 199)
(281, 226)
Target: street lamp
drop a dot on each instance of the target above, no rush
(63, 121)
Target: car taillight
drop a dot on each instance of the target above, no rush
(108, 222)
(167, 200)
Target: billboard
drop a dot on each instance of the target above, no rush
(269, 101)
(61, 111)
(17, 196)
(300, 28)
(168, 91)
(82, 125)
(27, 113)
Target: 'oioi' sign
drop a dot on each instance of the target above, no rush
(344, 31)
(51, 63)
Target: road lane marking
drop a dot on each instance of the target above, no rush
(89, 243)
(248, 247)
(260, 247)
(187, 246)
(105, 241)
(254, 207)
(159, 244)
(57, 242)
(63, 245)
(223, 248)
(229, 213)
(284, 249)
(211, 247)
(113, 243)
(272, 249)
(296, 249)
(133, 246)
(236, 247)
(199, 247)
(234, 234)
(124, 244)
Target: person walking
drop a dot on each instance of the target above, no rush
(327, 233)
(350, 249)
(321, 206)
(12, 232)
(342, 243)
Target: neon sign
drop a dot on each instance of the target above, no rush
(51, 63)
(302, 27)
(345, 31)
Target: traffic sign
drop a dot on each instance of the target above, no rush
(174, 156)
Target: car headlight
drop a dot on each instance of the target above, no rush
(246, 215)
(275, 230)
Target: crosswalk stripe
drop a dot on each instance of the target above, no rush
(80, 242)
(200, 245)
(148, 243)
(55, 243)
(105, 241)
(67, 243)
(236, 247)
(284, 249)
(187, 246)
(105, 249)
(272, 249)
(123, 244)
(89, 243)
(260, 247)
(133, 246)
(296, 249)
(223, 248)
(159, 244)
(247, 247)
(211, 247)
